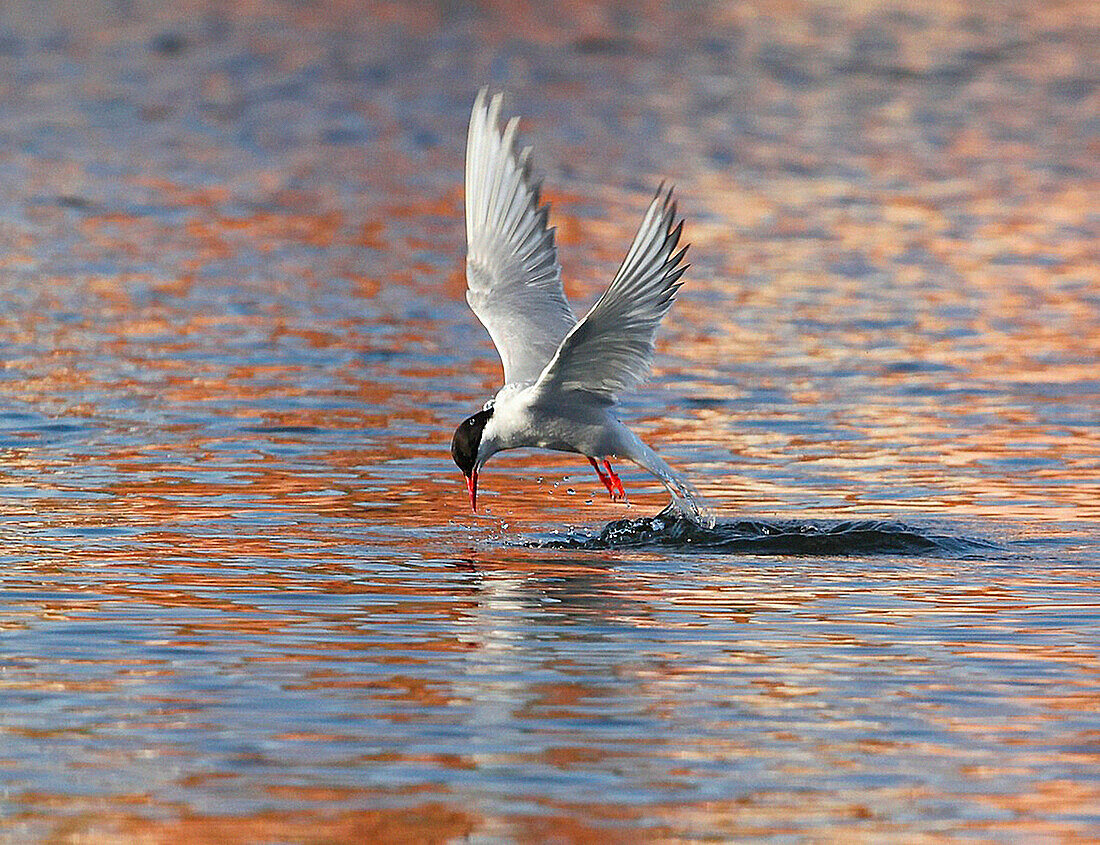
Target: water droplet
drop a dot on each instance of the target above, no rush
(571, 491)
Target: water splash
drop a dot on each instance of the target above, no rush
(671, 531)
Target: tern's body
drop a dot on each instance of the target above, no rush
(521, 417)
(561, 376)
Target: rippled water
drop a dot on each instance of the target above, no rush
(242, 595)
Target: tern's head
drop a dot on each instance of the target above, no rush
(464, 448)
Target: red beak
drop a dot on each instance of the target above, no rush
(471, 485)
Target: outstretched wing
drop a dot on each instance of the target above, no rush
(611, 349)
(512, 271)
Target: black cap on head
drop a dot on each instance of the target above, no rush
(466, 440)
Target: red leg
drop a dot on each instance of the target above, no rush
(606, 481)
(614, 480)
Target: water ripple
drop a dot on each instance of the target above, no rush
(669, 531)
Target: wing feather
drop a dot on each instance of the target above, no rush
(513, 277)
(611, 348)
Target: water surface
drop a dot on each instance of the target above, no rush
(242, 597)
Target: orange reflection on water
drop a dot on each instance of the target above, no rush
(244, 598)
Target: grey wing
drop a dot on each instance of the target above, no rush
(611, 348)
(513, 277)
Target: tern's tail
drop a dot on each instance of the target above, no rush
(685, 498)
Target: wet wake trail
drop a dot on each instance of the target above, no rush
(670, 531)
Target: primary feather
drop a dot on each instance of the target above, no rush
(513, 276)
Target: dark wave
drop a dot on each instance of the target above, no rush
(673, 532)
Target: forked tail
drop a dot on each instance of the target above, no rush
(686, 500)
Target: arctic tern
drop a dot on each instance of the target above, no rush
(561, 376)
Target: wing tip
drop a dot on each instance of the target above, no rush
(664, 192)
(485, 113)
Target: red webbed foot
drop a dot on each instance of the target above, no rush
(616, 481)
(610, 480)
